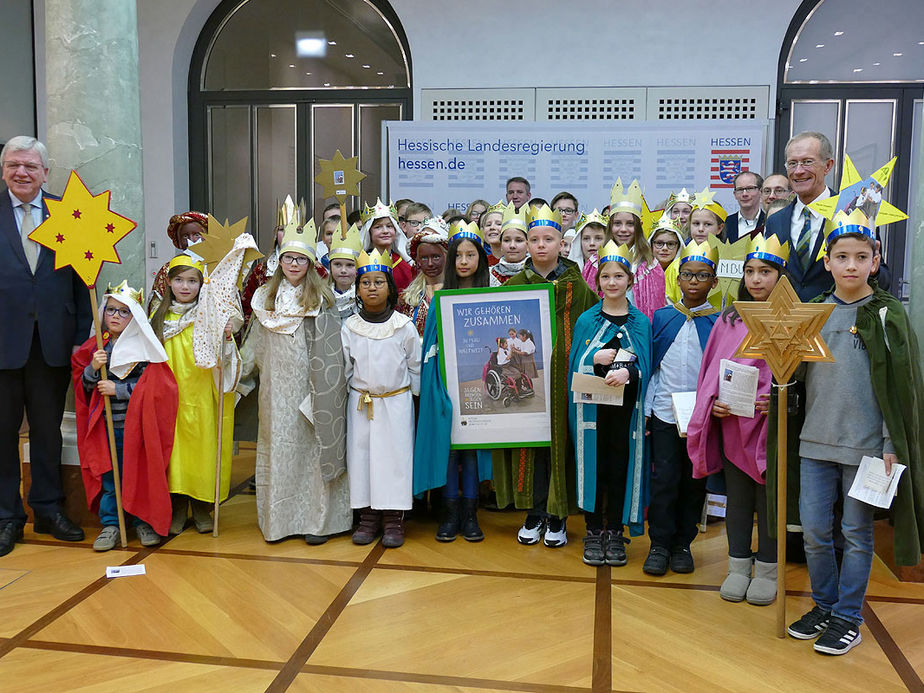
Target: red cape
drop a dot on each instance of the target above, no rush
(147, 443)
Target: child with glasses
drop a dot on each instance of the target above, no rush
(679, 335)
(656, 275)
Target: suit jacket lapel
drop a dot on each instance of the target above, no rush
(10, 230)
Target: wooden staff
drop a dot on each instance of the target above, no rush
(343, 221)
(113, 453)
(782, 416)
(221, 418)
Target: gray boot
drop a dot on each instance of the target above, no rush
(762, 590)
(736, 584)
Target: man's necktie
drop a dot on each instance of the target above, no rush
(802, 247)
(29, 246)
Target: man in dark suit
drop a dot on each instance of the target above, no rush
(45, 315)
(750, 217)
(809, 158)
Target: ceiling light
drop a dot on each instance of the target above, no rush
(307, 74)
(349, 55)
(819, 45)
(877, 64)
(802, 60)
(897, 55)
(272, 55)
(380, 73)
(366, 67)
(331, 43)
(310, 44)
(838, 33)
(291, 65)
(326, 84)
(858, 69)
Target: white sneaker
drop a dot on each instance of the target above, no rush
(531, 531)
(146, 535)
(107, 539)
(556, 533)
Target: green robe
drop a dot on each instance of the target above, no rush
(513, 467)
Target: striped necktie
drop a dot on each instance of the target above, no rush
(802, 246)
(30, 247)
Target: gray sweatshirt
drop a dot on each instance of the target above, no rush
(843, 421)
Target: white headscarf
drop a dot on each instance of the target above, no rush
(398, 244)
(136, 343)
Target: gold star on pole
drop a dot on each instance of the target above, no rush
(219, 240)
(339, 177)
(784, 331)
(82, 230)
(887, 213)
(649, 217)
(730, 269)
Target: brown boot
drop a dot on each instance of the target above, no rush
(201, 517)
(370, 522)
(180, 505)
(393, 522)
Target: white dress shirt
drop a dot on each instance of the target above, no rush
(797, 221)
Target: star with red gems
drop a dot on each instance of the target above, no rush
(60, 238)
(76, 214)
(783, 331)
(88, 255)
(110, 228)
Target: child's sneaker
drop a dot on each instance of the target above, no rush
(681, 559)
(146, 534)
(531, 531)
(839, 637)
(107, 539)
(593, 548)
(657, 561)
(615, 547)
(811, 625)
(556, 533)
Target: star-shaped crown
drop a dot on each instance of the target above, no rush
(346, 247)
(615, 253)
(700, 252)
(465, 229)
(770, 249)
(593, 218)
(628, 200)
(543, 216)
(378, 211)
(373, 262)
(301, 240)
(513, 218)
(126, 293)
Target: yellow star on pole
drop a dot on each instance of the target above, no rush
(887, 214)
(82, 230)
(339, 177)
(649, 217)
(219, 240)
(784, 331)
(731, 263)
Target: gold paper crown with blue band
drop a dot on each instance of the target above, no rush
(501, 206)
(768, 249)
(594, 217)
(373, 262)
(614, 253)
(665, 223)
(378, 211)
(465, 229)
(855, 222)
(514, 219)
(346, 247)
(628, 200)
(700, 252)
(543, 216)
(184, 260)
(299, 240)
(124, 291)
(704, 201)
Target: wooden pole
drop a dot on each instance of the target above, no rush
(343, 221)
(221, 418)
(113, 454)
(782, 416)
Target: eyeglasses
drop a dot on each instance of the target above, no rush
(747, 188)
(698, 276)
(415, 223)
(13, 165)
(368, 283)
(665, 245)
(775, 191)
(121, 312)
(402, 219)
(299, 260)
(804, 163)
(567, 210)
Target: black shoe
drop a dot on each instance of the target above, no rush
(614, 547)
(839, 638)
(315, 539)
(681, 559)
(470, 529)
(656, 563)
(59, 526)
(811, 625)
(449, 520)
(10, 533)
(593, 548)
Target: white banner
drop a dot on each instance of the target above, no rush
(449, 164)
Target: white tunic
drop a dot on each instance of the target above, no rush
(379, 358)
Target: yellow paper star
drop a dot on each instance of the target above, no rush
(731, 264)
(220, 239)
(784, 331)
(340, 177)
(649, 217)
(887, 214)
(703, 199)
(81, 230)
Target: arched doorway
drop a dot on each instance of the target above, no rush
(276, 85)
(855, 71)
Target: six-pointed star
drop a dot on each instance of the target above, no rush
(335, 185)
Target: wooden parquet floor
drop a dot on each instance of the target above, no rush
(234, 613)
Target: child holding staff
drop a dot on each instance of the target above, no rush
(610, 454)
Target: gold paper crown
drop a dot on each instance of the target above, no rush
(543, 216)
(465, 229)
(184, 260)
(629, 200)
(513, 218)
(855, 222)
(682, 196)
(770, 249)
(346, 247)
(501, 206)
(615, 253)
(593, 218)
(373, 262)
(299, 240)
(378, 211)
(700, 252)
(286, 211)
(704, 201)
(665, 223)
(124, 291)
